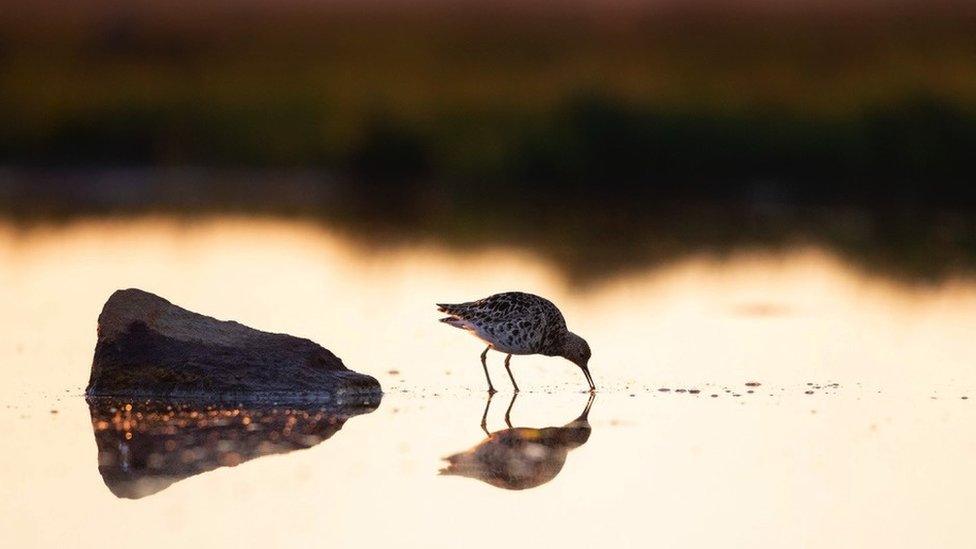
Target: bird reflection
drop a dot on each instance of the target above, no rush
(518, 458)
(144, 447)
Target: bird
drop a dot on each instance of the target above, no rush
(518, 458)
(519, 323)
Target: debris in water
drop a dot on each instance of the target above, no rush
(394, 372)
(753, 384)
(54, 411)
(664, 390)
(808, 392)
(714, 395)
(696, 391)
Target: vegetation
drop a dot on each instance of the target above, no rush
(502, 93)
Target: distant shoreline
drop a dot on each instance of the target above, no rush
(587, 231)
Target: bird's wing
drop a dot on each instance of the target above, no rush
(535, 317)
(505, 307)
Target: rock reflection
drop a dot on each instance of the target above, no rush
(518, 458)
(143, 447)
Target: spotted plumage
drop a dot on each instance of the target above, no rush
(518, 323)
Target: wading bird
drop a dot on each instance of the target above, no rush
(518, 323)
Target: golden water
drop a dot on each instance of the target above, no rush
(879, 455)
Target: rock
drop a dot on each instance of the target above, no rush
(148, 347)
(144, 447)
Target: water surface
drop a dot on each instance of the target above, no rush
(856, 431)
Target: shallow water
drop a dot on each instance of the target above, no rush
(857, 435)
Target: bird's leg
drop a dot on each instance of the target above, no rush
(508, 412)
(484, 416)
(484, 356)
(510, 376)
(589, 379)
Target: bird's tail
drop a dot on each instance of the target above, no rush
(456, 310)
(449, 308)
(457, 322)
(461, 465)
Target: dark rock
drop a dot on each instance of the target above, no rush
(144, 447)
(149, 347)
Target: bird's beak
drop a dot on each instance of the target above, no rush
(589, 378)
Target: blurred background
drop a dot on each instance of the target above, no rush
(603, 136)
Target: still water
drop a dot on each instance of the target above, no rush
(755, 400)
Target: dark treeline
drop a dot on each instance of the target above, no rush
(920, 148)
(642, 93)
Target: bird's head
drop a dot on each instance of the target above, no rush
(575, 350)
